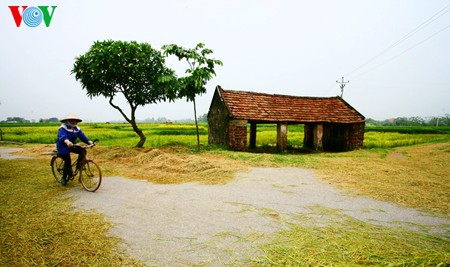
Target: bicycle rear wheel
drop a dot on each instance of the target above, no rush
(90, 175)
(57, 164)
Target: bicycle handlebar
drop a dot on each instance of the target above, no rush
(87, 146)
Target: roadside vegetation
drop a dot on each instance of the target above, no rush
(38, 225)
(345, 241)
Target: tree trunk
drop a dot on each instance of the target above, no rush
(196, 126)
(132, 121)
(140, 133)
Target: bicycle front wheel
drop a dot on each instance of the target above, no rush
(57, 164)
(90, 176)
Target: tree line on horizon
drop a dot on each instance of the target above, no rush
(411, 121)
(399, 121)
(202, 119)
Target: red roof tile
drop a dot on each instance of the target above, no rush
(275, 108)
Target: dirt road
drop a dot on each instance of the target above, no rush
(217, 225)
(7, 153)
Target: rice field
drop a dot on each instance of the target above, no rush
(119, 134)
(393, 139)
(122, 134)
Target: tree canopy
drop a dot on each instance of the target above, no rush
(201, 70)
(135, 70)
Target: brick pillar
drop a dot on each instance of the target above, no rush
(253, 135)
(237, 132)
(318, 135)
(282, 137)
(308, 136)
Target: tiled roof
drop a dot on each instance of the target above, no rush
(275, 108)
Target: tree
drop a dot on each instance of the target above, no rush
(53, 119)
(201, 70)
(203, 118)
(135, 70)
(16, 120)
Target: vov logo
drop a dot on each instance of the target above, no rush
(32, 16)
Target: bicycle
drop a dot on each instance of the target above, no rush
(90, 174)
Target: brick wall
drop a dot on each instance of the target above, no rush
(355, 138)
(237, 134)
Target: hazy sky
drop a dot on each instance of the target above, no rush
(396, 53)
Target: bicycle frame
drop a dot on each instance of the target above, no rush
(77, 165)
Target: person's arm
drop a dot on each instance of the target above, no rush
(63, 137)
(84, 138)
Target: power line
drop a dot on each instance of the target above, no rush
(404, 51)
(437, 15)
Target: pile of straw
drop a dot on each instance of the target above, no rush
(174, 165)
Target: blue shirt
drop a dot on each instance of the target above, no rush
(71, 134)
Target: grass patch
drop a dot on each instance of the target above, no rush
(38, 225)
(344, 241)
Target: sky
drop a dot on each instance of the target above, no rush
(395, 54)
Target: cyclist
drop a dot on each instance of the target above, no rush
(67, 135)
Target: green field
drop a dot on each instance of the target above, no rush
(117, 134)
(122, 134)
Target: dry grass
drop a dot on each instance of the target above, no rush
(39, 227)
(172, 165)
(415, 176)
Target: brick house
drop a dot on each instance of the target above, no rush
(330, 123)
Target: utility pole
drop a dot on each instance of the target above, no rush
(342, 86)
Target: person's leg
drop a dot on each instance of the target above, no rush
(67, 168)
(80, 151)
